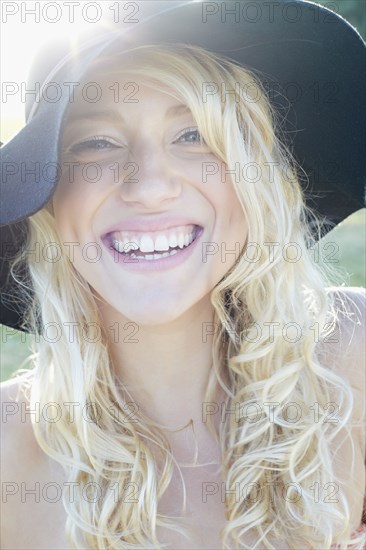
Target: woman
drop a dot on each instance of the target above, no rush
(202, 385)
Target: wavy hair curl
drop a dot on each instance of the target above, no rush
(266, 453)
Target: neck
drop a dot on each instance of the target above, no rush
(166, 368)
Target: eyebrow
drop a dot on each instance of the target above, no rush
(180, 109)
(109, 114)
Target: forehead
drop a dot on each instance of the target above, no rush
(106, 93)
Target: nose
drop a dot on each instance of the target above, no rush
(151, 180)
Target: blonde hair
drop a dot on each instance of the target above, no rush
(259, 454)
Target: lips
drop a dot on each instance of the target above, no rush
(152, 262)
(144, 224)
(152, 246)
(152, 243)
(158, 241)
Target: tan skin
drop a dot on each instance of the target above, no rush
(29, 525)
(167, 311)
(163, 390)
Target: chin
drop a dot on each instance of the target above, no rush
(152, 316)
(146, 312)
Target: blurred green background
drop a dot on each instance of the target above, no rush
(348, 239)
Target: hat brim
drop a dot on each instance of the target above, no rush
(311, 62)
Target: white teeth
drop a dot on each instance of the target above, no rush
(118, 246)
(183, 236)
(173, 241)
(146, 244)
(161, 243)
(124, 246)
(130, 246)
(163, 255)
(181, 240)
(154, 256)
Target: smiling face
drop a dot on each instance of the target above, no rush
(137, 185)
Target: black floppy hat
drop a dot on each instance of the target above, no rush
(310, 60)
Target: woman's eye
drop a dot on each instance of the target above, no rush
(191, 136)
(94, 144)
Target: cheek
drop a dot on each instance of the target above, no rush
(239, 225)
(79, 192)
(232, 216)
(70, 206)
(201, 169)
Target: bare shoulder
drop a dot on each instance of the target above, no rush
(26, 472)
(348, 337)
(354, 298)
(16, 429)
(20, 454)
(345, 350)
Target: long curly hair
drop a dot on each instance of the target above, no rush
(271, 455)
